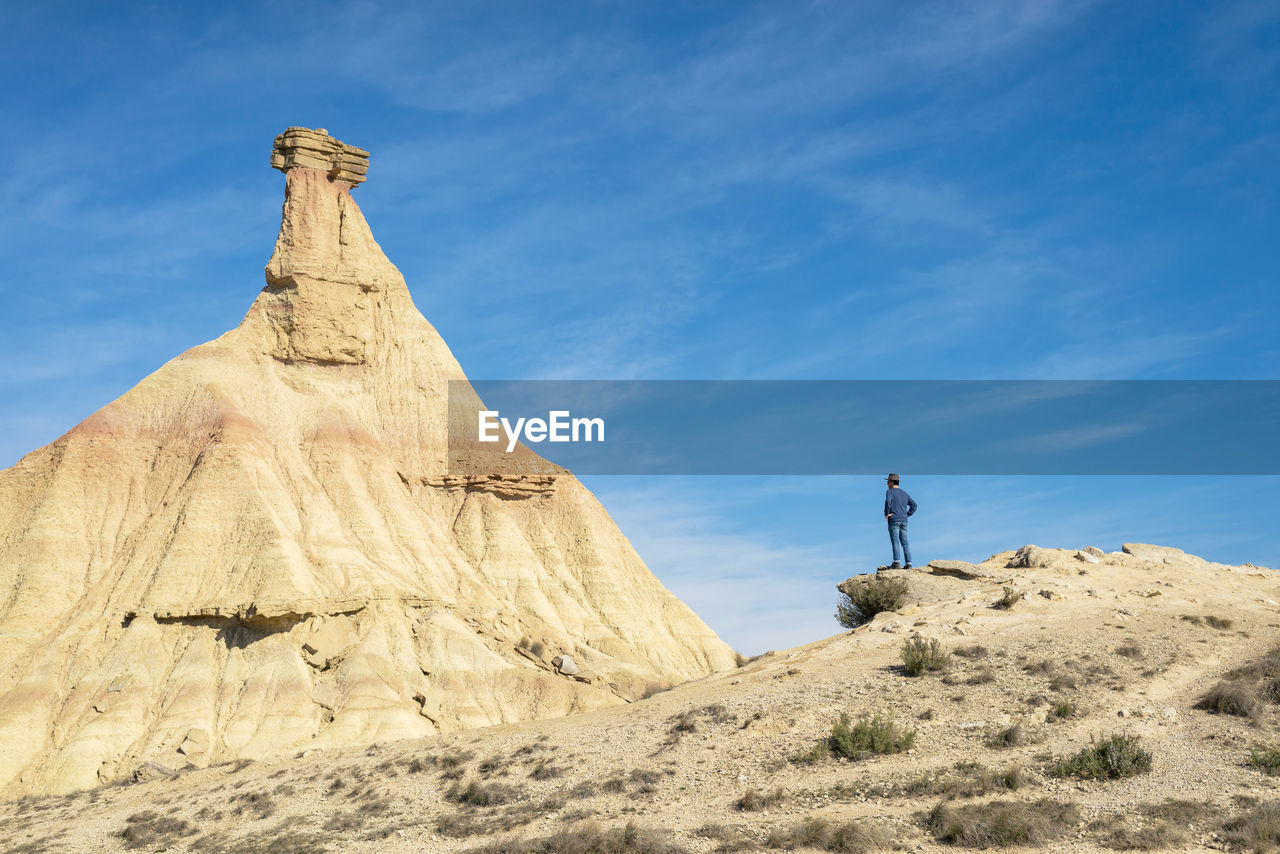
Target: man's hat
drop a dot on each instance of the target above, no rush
(893, 478)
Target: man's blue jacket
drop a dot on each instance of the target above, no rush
(898, 505)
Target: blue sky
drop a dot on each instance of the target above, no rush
(844, 190)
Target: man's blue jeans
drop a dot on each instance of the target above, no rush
(898, 539)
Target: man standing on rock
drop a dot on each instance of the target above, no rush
(898, 506)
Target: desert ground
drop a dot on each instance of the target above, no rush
(1119, 701)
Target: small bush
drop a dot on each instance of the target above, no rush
(1007, 599)
(1231, 697)
(1064, 709)
(1002, 825)
(861, 600)
(1219, 622)
(740, 660)
(1118, 756)
(754, 800)
(875, 735)
(1266, 761)
(920, 656)
(1131, 650)
(826, 835)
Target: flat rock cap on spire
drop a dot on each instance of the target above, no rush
(315, 149)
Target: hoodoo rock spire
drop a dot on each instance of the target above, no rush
(259, 548)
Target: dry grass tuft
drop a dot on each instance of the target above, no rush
(1011, 736)
(1002, 824)
(588, 838)
(1008, 598)
(1232, 697)
(152, 831)
(826, 835)
(1258, 829)
(920, 656)
(754, 800)
(479, 794)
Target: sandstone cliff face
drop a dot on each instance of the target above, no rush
(259, 549)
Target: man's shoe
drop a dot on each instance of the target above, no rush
(894, 566)
(908, 566)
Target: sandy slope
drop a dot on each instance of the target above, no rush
(1115, 632)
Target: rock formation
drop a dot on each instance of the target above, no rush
(260, 549)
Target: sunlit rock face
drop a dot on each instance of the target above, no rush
(260, 548)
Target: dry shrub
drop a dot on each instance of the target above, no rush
(588, 838)
(826, 835)
(861, 600)
(875, 735)
(1257, 829)
(479, 794)
(967, 780)
(1116, 832)
(972, 651)
(1008, 598)
(754, 800)
(148, 829)
(1011, 736)
(1116, 757)
(1002, 824)
(1232, 697)
(920, 656)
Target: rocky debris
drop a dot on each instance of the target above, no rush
(304, 148)
(1088, 556)
(1051, 595)
(565, 665)
(1094, 551)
